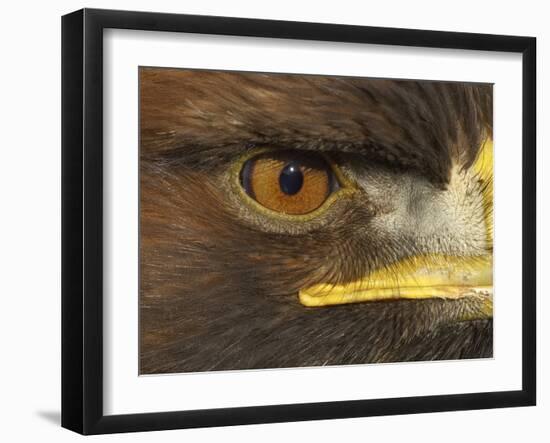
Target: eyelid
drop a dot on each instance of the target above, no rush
(244, 177)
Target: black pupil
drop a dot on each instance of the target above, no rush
(291, 179)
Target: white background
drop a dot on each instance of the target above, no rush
(30, 220)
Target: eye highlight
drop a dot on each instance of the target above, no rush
(288, 182)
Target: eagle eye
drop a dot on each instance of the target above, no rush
(288, 182)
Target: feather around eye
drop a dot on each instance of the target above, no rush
(288, 182)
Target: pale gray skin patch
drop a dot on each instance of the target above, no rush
(448, 221)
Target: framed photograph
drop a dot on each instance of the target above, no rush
(269, 221)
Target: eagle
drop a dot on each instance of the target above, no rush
(291, 220)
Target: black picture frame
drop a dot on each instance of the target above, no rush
(82, 219)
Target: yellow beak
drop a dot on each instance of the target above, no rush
(414, 278)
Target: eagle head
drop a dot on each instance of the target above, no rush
(297, 220)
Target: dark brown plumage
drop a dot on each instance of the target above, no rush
(219, 286)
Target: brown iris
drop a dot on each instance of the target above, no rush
(289, 182)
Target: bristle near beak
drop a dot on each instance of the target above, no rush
(484, 167)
